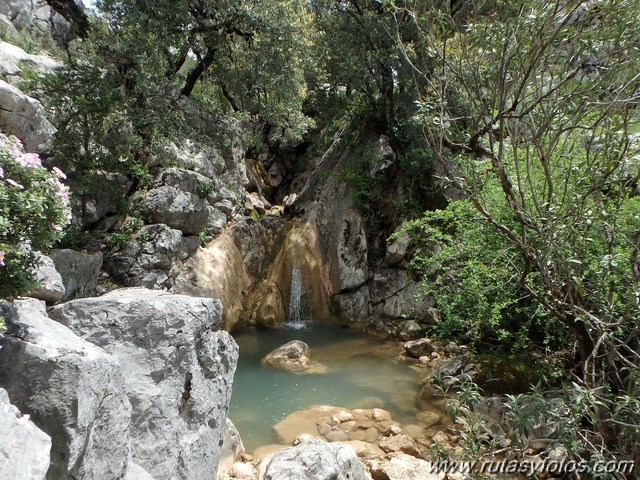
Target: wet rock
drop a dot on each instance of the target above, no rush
(73, 391)
(179, 373)
(315, 460)
(79, 271)
(294, 357)
(270, 312)
(51, 287)
(254, 239)
(419, 348)
(177, 209)
(24, 448)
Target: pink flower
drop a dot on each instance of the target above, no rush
(14, 183)
(1, 173)
(59, 172)
(57, 228)
(29, 160)
(2, 254)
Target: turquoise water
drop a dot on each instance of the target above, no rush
(363, 373)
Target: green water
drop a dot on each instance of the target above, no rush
(363, 373)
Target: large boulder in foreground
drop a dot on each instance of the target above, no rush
(73, 391)
(24, 448)
(316, 460)
(179, 373)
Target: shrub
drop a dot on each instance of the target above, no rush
(34, 209)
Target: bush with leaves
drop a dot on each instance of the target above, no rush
(34, 209)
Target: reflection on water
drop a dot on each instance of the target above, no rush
(362, 374)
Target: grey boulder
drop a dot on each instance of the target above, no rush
(51, 287)
(179, 373)
(79, 271)
(24, 448)
(73, 391)
(316, 460)
(180, 210)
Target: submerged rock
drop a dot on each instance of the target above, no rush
(179, 373)
(316, 460)
(294, 357)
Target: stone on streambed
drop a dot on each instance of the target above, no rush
(419, 348)
(179, 372)
(294, 357)
(316, 460)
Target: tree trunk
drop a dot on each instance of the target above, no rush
(197, 71)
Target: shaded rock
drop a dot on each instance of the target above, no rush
(352, 307)
(73, 390)
(397, 250)
(51, 287)
(315, 460)
(188, 181)
(387, 282)
(25, 118)
(410, 330)
(101, 201)
(419, 348)
(79, 271)
(352, 252)
(179, 373)
(216, 220)
(453, 371)
(294, 357)
(254, 239)
(179, 210)
(24, 448)
(270, 312)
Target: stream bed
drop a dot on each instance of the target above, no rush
(362, 373)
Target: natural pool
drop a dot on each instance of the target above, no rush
(363, 373)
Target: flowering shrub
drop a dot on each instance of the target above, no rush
(34, 208)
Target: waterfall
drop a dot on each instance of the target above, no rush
(295, 298)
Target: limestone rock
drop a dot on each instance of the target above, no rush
(352, 252)
(254, 239)
(294, 357)
(353, 306)
(270, 312)
(315, 460)
(18, 11)
(453, 371)
(93, 207)
(25, 118)
(179, 373)
(400, 443)
(406, 467)
(79, 271)
(232, 448)
(12, 57)
(410, 330)
(188, 181)
(73, 390)
(397, 250)
(419, 348)
(179, 210)
(136, 472)
(51, 287)
(24, 448)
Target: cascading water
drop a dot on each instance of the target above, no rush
(296, 313)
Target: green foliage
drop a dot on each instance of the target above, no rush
(204, 188)
(34, 208)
